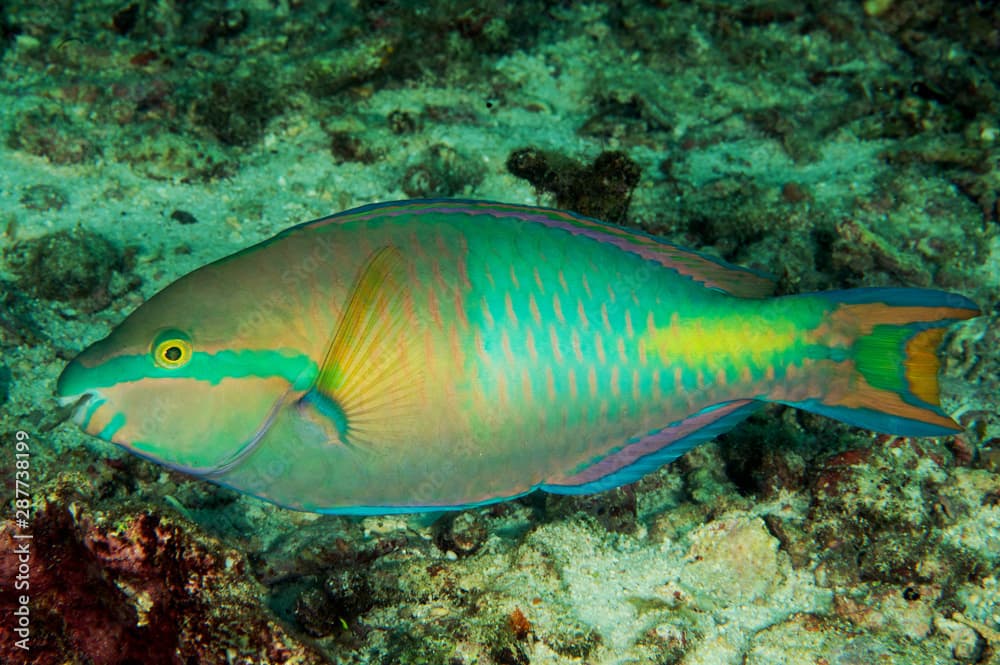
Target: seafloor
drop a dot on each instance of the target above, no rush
(833, 144)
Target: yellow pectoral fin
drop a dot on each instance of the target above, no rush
(370, 383)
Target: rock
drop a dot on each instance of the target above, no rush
(602, 189)
(732, 561)
(73, 266)
(966, 645)
(107, 587)
(463, 534)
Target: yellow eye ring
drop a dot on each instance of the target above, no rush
(172, 350)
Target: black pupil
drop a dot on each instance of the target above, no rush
(173, 353)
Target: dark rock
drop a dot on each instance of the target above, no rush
(441, 171)
(69, 266)
(139, 588)
(402, 122)
(43, 198)
(346, 147)
(5, 379)
(125, 19)
(238, 111)
(17, 325)
(602, 189)
(183, 217)
(50, 132)
(462, 534)
(615, 509)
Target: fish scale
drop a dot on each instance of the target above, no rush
(428, 355)
(532, 310)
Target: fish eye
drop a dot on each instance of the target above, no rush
(172, 349)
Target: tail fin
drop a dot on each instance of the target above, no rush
(893, 386)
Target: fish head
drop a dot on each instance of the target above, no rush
(181, 381)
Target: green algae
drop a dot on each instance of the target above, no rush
(334, 72)
(440, 171)
(70, 266)
(49, 132)
(237, 111)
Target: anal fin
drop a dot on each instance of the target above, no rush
(644, 454)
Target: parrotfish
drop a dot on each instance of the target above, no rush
(442, 354)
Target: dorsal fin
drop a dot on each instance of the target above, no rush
(711, 271)
(368, 385)
(716, 273)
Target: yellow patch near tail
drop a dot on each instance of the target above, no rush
(712, 342)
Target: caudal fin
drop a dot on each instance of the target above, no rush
(893, 363)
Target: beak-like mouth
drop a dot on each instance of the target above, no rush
(74, 394)
(73, 407)
(76, 401)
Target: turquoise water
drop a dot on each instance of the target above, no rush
(837, 146)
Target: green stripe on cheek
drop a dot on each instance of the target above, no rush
(112, 427)
(296, 368)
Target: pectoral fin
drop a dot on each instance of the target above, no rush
(369, 385)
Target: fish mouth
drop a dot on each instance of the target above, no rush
(77, 398)
(76, 401)
(73, 407)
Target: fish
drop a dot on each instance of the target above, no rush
(431, 355)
